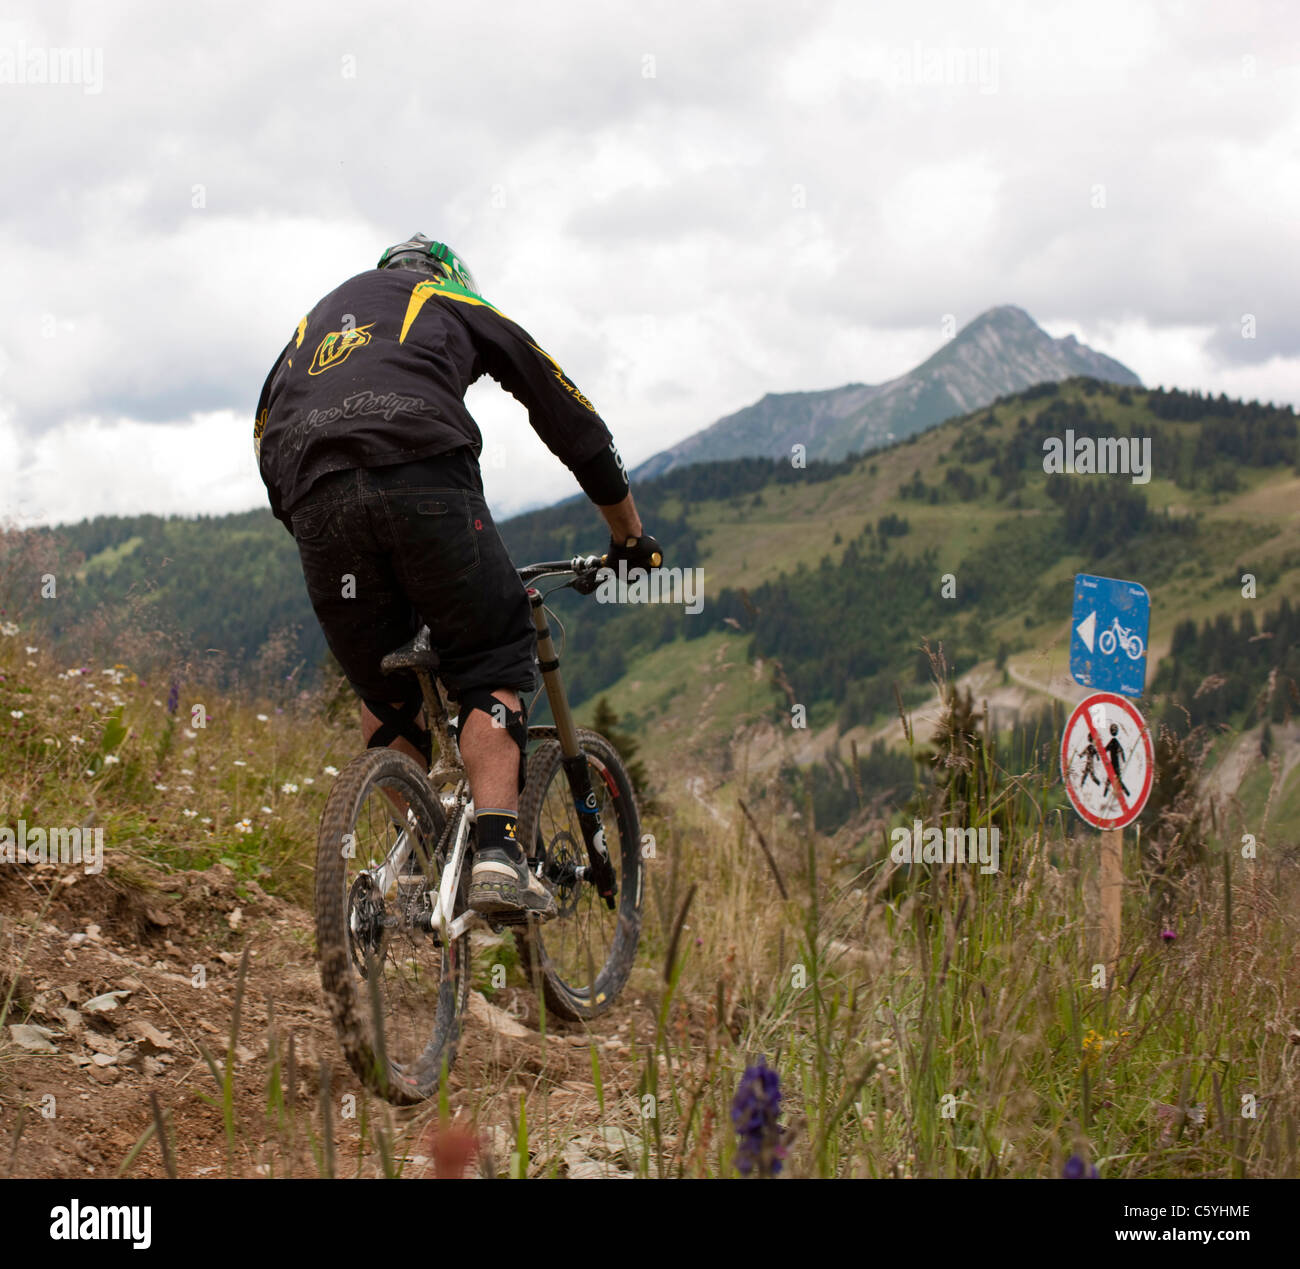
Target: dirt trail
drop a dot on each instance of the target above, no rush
(76, 1074)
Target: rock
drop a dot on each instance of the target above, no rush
(104, 1059)
(105, 1003)
(105, 1074)
(76, 940)
(228, 958)
(582, 1167)
(233, 918)
(618, 1141)
(31, 1038)
(72, 1021)
(149, 1038)
(102, 1044)
(496, 1019)
(496, 1144)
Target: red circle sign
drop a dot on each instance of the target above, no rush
(1107, 761)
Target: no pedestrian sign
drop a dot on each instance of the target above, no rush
(1106, 760)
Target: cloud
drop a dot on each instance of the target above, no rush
(689, 205)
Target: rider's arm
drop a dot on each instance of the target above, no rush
(623, 520)
(565, 420)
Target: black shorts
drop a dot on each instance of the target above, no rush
(387, 549)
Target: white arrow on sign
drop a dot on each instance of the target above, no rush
(1087, 628)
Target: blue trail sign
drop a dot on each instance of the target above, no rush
(1108, 634)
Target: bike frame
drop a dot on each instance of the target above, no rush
(448, 767)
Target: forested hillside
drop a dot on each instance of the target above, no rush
(834, 570)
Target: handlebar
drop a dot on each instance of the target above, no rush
(579, 566)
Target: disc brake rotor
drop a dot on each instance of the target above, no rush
(564, 855)
(366, 924)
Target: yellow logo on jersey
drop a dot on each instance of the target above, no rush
(337, 347)
(569, 386)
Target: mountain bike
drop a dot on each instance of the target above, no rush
(1125, 638)
(392, 922)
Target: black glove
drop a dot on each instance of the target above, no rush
(640, 553)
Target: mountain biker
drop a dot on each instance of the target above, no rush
(370, 459)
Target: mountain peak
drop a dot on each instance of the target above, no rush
(1003, 315)
(999, 352)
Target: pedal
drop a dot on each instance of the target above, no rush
(507, 920)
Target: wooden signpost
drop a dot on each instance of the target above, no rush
(1107, 764)
(1106, 758)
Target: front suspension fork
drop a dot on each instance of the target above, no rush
(573, 760)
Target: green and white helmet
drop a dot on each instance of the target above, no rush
(423, 255)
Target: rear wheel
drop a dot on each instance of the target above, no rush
(585, 954)
(396, 992)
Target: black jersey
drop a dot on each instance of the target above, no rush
(376, 374)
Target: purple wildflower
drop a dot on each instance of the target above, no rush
(1168, 935)
(755, 1115)
(1076, 1170)
(173, 697)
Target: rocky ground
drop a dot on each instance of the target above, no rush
(119, 985)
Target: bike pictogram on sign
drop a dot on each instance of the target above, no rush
(1107, 761)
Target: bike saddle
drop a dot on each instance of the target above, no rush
(418, 654)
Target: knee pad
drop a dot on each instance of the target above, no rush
(399, 720)
(512, 720)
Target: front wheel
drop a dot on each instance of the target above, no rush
(584, 955)
(1106, 642)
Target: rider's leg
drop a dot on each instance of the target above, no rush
(492, 752)
(370, 724)
(492, 757)
(493, 734)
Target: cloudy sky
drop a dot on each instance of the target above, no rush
(688, 204)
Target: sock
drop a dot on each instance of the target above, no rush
(498, 830)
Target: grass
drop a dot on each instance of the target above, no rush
(923, 1021)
